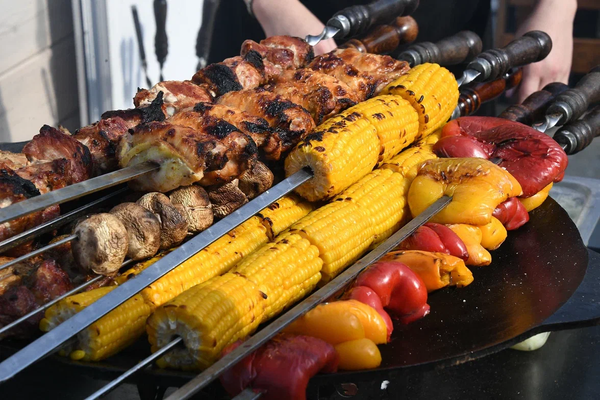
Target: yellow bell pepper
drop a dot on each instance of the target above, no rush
(478, 186)
(437, 270)
(533, 202)
(341, 321)
(493, 234)
(472, 236)
(358, 354)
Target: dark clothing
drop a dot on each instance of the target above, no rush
(436, 18)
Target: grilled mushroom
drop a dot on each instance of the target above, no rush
(101, 244)
(196, 206)
(256, 180)
(143, 229)
(226, 198)
(173, 225)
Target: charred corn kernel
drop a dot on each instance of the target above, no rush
(437, 270)
(533, 202)
(381, 197)
(339, 231)
(493, 234)
(477, 187)
(282, 270)
(396, 121)
(339, 152)
(358, 354)
(207, 317)
(212, 261)
(471, 237)
(432, 90)
(284, 212)
(105, 337)
(431, 139)
(319, 322)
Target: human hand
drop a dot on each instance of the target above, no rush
(290, 17)
(555, 17)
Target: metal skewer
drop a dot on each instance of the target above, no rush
(140, 40)
(275, 327)
(56, 300)
(38, 251)
(47, 343)
(141, 365)
(75, 191)
(55, 223)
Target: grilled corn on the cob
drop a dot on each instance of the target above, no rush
(226, 308)
(207, 317)
(433, 92)
(105, 337)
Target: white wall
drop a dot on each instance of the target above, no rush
(38, 82)
(183, 23)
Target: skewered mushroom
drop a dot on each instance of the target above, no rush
(256, 180)
(196, 206)
(173, 225)
(226, 199)
(143, 230)
(101, 244)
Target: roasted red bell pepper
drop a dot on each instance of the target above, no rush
(436, 238)
(512, 214)
(281, 368)
(403, 294)
(532, 157)
(368, 296)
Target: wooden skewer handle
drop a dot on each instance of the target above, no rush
(472, 97)
(384, 39)
(456, 49)
(577, 135)
(534, 107)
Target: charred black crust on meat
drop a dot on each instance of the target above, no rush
(277, 107)
(202, 107)
(253, 127)
(220, 128)
(251, 149)
(19, 186)
(222, 78)
(253, 57)
(149, 113)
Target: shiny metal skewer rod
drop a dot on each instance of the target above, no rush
(141, 365)
(330, 289)
(56, 300)
(56, 222)
(50, 341)
(49, 304)
(38, 251)
(248, 394)
(75, 191)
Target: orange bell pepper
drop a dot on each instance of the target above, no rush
(493, 234)
(437, 270)
(341, 321)
(478, 186)
(533, 202)
(472, 236)
(358, 354)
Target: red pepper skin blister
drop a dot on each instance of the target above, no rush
(281, 368)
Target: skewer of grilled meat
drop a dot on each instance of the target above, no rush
(103, 137)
